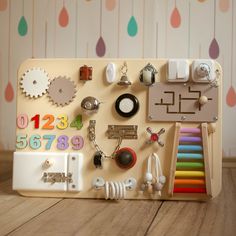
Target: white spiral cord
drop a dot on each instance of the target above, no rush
(115, 190)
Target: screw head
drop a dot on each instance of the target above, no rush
(215, 118)
(73, 158)
(150, 117)
(183, 117)
(73, 186)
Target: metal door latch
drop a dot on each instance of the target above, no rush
(122, 131)
(57, 177)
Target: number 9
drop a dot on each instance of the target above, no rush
(78, 142)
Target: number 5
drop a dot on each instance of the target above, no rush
(21, 141)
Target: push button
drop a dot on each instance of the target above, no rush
(127, 105)
(125, 158)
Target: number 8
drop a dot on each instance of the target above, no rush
(62, 142)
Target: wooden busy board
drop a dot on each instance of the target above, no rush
(48, 124)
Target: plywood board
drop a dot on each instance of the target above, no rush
(107, 94)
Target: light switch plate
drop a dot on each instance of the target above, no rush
(177, 70)
(196, 64)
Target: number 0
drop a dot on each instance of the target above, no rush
(22, 121)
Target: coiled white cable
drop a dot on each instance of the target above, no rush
(115, 190)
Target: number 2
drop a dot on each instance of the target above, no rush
(48, 124)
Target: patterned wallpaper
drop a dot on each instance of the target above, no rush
(116, 28)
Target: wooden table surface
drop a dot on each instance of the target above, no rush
(41, 216)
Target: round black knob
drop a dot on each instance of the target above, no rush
(127, 105)
(125, 158)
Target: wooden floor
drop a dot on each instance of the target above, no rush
(37, 216)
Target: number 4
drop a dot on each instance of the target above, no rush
(77, 122)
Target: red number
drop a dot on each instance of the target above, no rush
(36, 121)
(48, 124)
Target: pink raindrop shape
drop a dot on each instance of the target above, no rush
(231, 97)
(63, 17)
(3, 5)
(100, 47)
(214, 49)
(9, 92)
(110, 4)
(175, 19)
(224, 5)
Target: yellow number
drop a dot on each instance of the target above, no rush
(63, 124)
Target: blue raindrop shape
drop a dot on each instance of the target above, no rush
(22, 26)
(132, 28)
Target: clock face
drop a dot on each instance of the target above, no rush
(127, 105)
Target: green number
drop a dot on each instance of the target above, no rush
(50, 139)
(77, 122)
(21, 141)
(35, 142)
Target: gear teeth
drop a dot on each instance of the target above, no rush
(57, 85)
(34, 82)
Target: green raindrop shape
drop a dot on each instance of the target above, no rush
(132, 28)
(22, 26)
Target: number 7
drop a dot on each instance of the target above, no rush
(50, 139)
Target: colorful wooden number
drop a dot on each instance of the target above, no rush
(36, 121)
(21, 141)
(35, 142)
(77, 122)
(22, 121)
(62, 142)
(48, 124)
(78, 142)
(63, 124)
(50, 139)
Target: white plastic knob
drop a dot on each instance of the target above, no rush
(111, 72)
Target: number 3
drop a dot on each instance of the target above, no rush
(63, 124)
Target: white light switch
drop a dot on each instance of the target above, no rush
(29, 169)
(177, 70)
